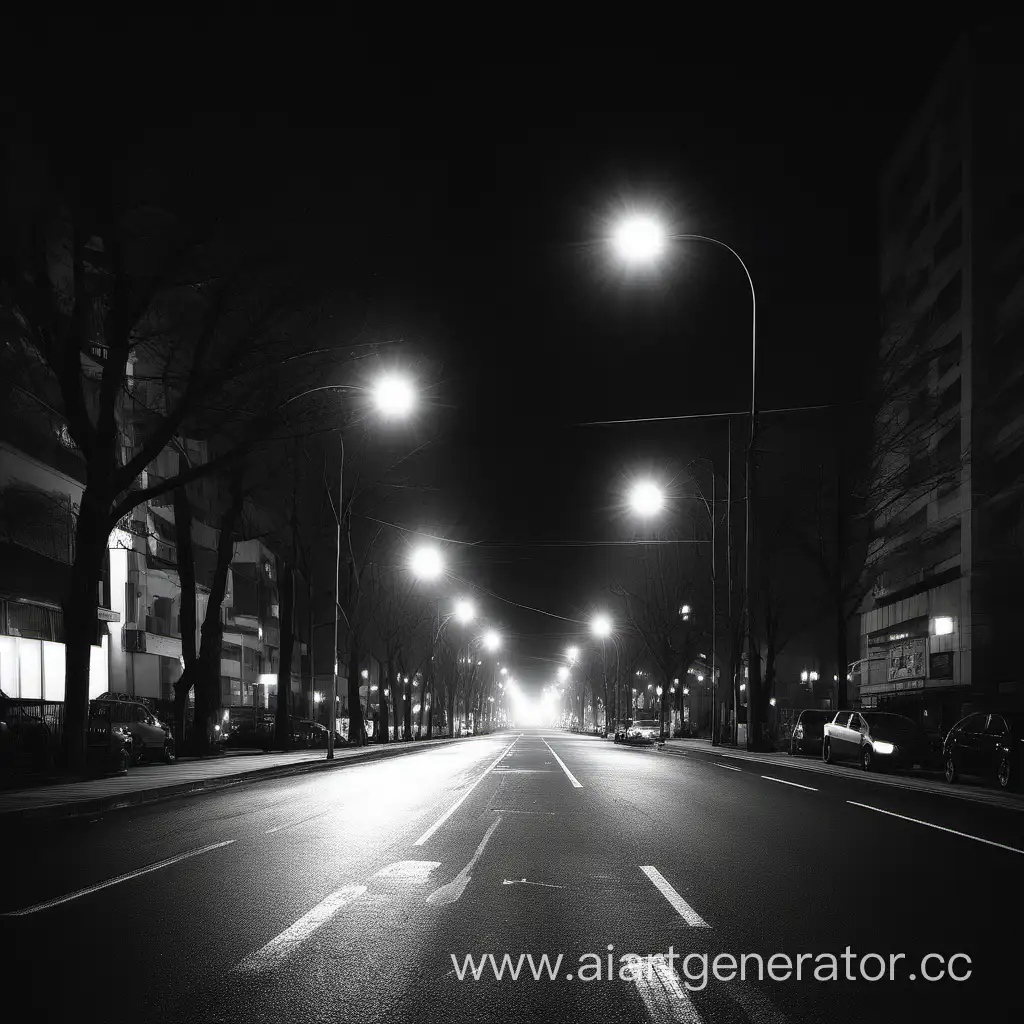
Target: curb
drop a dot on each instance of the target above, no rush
(81, 808)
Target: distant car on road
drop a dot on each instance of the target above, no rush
(876, 739)
(639, 731)
(809, 731)
(987, 745)
(151, 738)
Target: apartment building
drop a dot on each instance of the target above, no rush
(937, 632)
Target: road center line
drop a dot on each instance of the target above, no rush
(681, 907)
(458, 803)
(127, 876)
(278, 948)
(786, 782)
(941, 828)
(572, 778)
(718, 764)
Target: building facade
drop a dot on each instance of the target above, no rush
(937, 632)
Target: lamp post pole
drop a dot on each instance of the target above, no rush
(332, 710)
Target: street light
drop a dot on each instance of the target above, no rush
(572, 654)
(465, 613)
(393, 395)
(640, 240)
(426, 563)
(492, 640)
(601, 625)
(563, 673)
(646, 498)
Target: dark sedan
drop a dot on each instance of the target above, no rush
(988, 745)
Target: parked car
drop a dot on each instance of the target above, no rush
(988, 745)
(876, 739)
(109, 746)
(640, 731)
(809, 731)
(151, 738)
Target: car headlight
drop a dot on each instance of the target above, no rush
(881, 747)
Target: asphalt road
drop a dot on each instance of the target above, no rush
(344, 896)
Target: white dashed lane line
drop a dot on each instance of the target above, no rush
(283, 945)
(678, 904)
(940, 828)
(572, 778)
(127, 876)
(786, 782)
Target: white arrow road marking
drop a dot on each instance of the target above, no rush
(786, 782)
(279, 948)
(523, 881)
(127, 876)
(457, 886)
(678, 904)
(666, 999)
(458, 803)
(572, 778)
(410, 871)
(941, 828)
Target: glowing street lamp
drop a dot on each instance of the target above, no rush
(394, 396)
(563, 673)
(426, 563)
(572, 654)
(465, 613)
(646, 498)
(492, 640)
(601, 626)
(640, 239)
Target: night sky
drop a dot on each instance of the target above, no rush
(471, 200)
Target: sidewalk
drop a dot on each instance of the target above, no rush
(921, 782)
(148, 783)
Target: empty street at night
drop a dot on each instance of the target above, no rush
(345, 895)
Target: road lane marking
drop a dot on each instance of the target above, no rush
(681, 907)
(666, 1000)
(718, 764)
(280, 947)
(523, 881)
(410, 871)
(458, 803)
(572, 778)
(786, 782)
(941, 828)
(457, 886)
(126, 877)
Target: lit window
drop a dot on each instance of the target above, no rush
(943, 625)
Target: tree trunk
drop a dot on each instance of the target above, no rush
(80, 631)
(356, 725)
(286, 591)
(840, 599)
(188, 611)
(406, 709)
(383, 714)
(207, 683)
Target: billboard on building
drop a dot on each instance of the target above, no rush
(908, 660)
